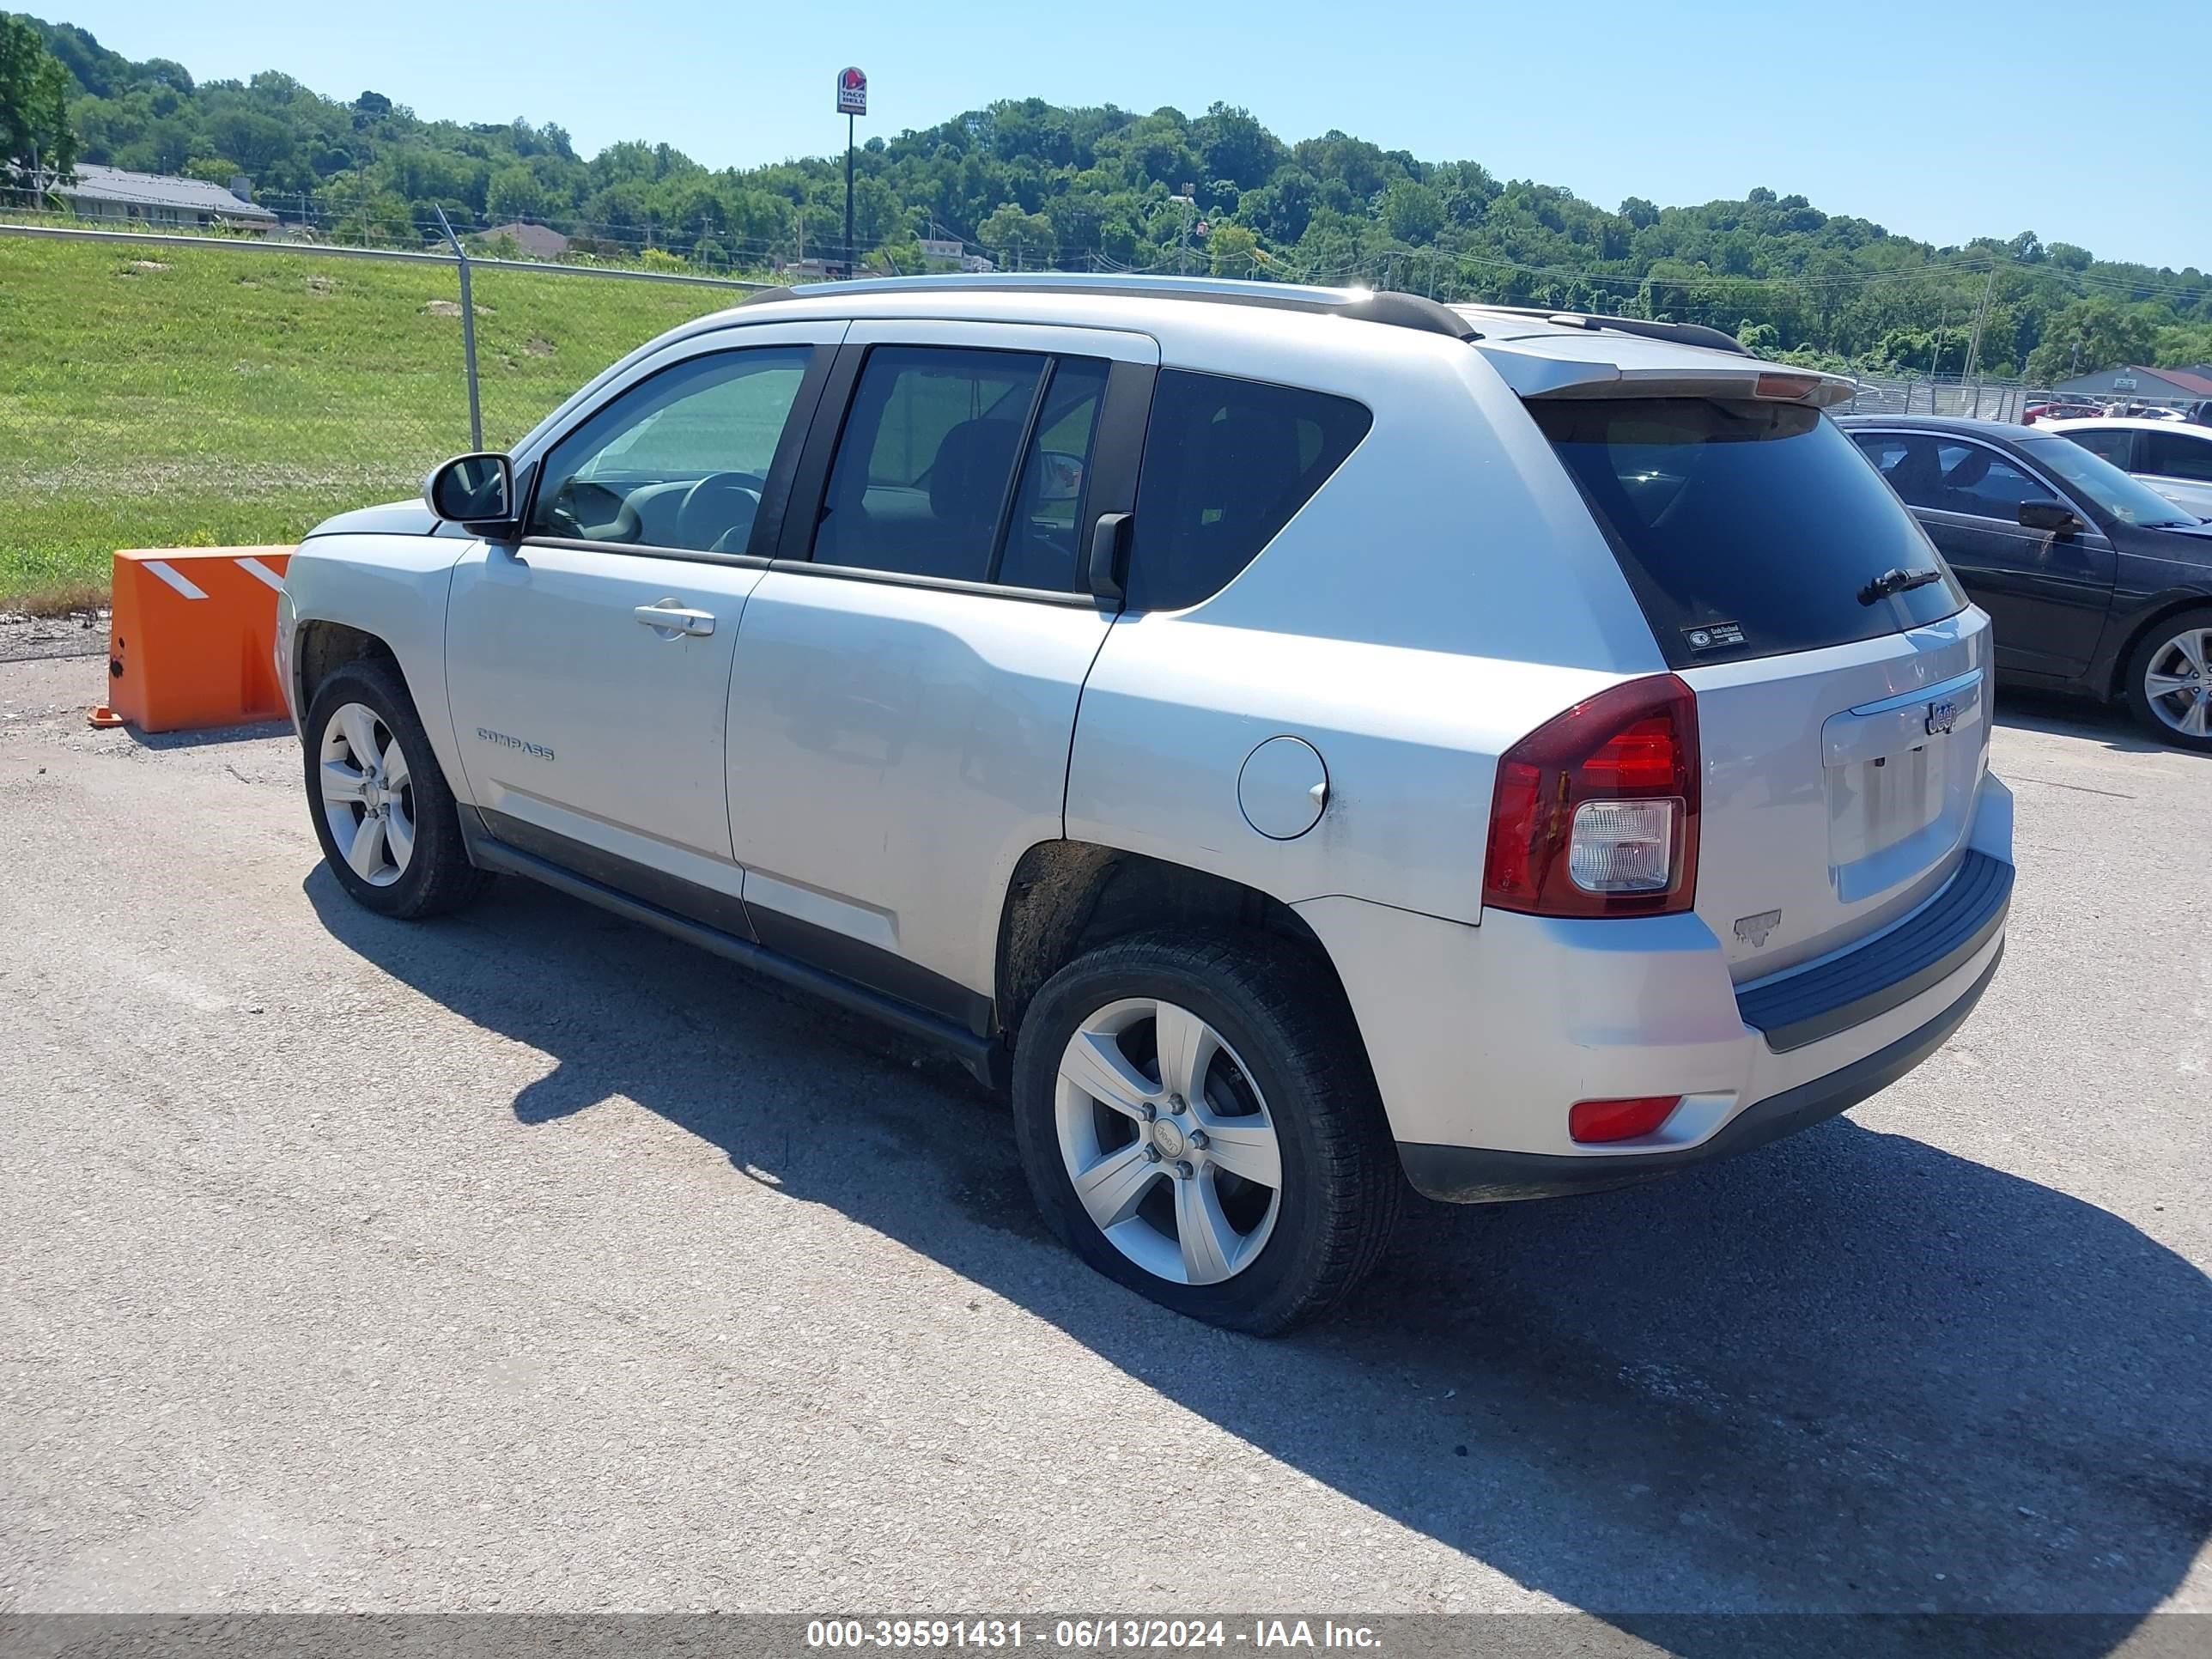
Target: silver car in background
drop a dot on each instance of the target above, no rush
(1299, 742)
(2174, 457)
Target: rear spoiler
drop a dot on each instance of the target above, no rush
(1566, 366)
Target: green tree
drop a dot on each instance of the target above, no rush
(1233, 146)
(1762, 339)
(1015, 238)
(34, 122)
(2093, 334)
(1412, 212)
(1231, 248)
(515, 192)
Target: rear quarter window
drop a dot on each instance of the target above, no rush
(1745, 528)
(1227, 463)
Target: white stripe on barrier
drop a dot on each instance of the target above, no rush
(176, 579)
(260, 573)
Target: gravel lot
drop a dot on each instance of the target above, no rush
(530, 1260)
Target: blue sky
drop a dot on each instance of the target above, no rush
(2087, 121)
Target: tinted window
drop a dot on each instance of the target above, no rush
(2113, 491)
(2174, 455)
(2109, 444)
(1906, 464)
(1755, 514)
(678, 461)
(1045, 532)
(925, 468)
(1977, 481)
(1952, 476)
(1226, 465)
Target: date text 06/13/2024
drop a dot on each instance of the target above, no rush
(1098, 1635)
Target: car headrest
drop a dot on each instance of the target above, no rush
(1966, 473)
(966, 480)
(1914, 474)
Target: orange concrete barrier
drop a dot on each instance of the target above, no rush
(192, 636)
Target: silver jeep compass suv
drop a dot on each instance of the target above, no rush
(1303, 743)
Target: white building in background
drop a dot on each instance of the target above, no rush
(946, 251)
(156, 199)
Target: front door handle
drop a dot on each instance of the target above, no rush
(668, 619)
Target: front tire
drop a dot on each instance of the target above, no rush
(2169, 680)
(388, 824)
(1197, 1121)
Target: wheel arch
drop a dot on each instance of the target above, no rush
(323, 647)
(361, 594)
(1066, 898)
(2110, 676)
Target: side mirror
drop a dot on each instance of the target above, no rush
(2049, 515)
(1062, 479)
(472, 490)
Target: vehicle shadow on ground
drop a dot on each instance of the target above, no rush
(1850, 1372)
(2059, 715)
(256, 731)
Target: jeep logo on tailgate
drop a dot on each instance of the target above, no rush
(1753, 930)
(1941, 717)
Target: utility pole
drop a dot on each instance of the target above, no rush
(1981, 317)
(1189, 211)
(1935, 357)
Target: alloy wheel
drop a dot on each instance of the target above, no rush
(1168, 1142)
(2176, 685)
(368, 800)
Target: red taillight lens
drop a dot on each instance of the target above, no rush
(1620, 1120)
(1596, 813)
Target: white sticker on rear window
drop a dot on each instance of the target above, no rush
(1711, 636)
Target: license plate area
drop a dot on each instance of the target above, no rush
(1901, 776)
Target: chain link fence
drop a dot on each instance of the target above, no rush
(179, 391)
(1910, 394)
(1981, 399)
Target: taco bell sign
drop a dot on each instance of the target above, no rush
(852, 92)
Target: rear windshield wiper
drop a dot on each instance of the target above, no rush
(1896, 581)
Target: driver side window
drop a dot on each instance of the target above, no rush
(678, 461)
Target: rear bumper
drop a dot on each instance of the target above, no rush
(1471, 1175)
(1481, 1038)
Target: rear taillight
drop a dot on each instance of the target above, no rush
(1596, 813)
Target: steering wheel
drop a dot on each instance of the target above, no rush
(717, 514)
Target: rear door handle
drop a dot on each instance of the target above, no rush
(668, 619)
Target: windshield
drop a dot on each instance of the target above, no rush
(1747, 529)
(2112, 489)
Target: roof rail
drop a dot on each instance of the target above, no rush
(1386, 305)
(1696, 334)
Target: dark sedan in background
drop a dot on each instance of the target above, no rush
(2096, 582)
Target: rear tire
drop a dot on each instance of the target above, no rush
(2168, 681)
(390, 828)
(1282, 1200)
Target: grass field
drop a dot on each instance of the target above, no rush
(155, 396)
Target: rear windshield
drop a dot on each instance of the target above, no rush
(1747, 529)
